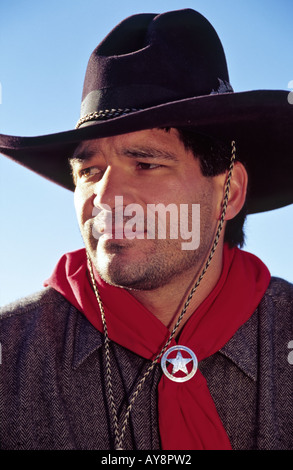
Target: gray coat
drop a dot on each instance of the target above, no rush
(52, 384)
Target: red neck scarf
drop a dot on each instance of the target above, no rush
(188, 418)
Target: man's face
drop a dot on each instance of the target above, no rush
(128, 175)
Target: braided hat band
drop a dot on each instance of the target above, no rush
(104, 115)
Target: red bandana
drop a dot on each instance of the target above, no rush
(188, 418)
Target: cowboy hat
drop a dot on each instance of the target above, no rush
(169, 70)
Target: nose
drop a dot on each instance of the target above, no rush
(113, 183)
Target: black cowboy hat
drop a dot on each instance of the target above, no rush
(169, 70)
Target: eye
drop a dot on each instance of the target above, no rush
(89, 172)
(147, 166)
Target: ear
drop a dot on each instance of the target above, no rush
(238, 189)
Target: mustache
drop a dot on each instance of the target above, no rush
(132, 226)
(107, 222)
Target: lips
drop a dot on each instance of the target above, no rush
(116, 232)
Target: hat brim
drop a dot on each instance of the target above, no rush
(259, 121)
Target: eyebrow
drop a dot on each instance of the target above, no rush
(142, 152)
(82, 155)
(149, 152)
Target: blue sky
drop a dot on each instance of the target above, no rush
(44, 49)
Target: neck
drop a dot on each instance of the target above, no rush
(167, 302)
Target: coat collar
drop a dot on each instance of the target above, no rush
(241, 349)
(87, 340)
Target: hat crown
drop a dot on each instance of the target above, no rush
(150, 59)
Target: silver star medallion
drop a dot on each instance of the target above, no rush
(179, 364)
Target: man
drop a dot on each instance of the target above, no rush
(161, 333)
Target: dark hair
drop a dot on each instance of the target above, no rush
(215, 157)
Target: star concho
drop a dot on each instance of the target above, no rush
(182, 369)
